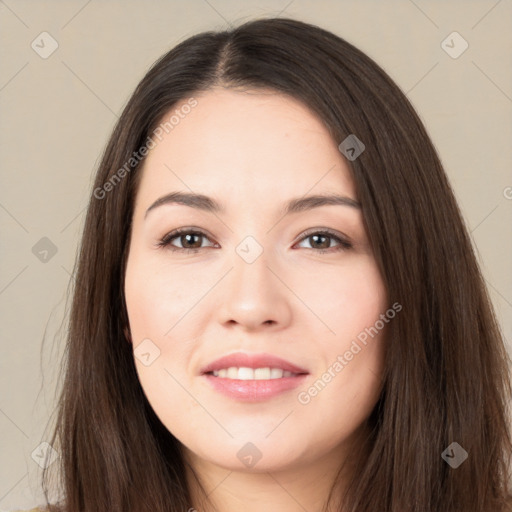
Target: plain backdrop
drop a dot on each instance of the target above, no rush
(58, 109)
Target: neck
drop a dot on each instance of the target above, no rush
(295, 488)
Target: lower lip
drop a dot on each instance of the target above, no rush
(254, 390)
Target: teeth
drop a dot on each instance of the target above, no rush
(252, 374)
(232, 373)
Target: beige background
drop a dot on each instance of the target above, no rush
(57, 114)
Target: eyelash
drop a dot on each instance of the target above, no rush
(166, 240)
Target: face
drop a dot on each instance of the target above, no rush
(255, 279)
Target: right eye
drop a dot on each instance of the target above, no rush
(186, 236)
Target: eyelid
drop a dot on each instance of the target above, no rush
(175, 233)
(327, 231)
(344, 242)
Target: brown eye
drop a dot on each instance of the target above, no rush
(190, 240)
(320, 241)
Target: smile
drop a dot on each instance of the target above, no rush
(244, 373)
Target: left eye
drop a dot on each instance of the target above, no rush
(181, 234)
(343, 244)
(187, 237)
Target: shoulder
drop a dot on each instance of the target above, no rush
(37, 509)
(53, 507)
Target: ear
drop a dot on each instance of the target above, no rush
(127, 335)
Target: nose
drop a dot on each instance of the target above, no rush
(253, 296)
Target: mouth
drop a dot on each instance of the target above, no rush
(253, 377)
(247, 366)
(245, 373)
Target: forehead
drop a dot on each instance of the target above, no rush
(247, 145)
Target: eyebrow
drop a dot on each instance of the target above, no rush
(208, 204)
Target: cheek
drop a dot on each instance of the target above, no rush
(155, 304)
(157, 297)
(161, 303)
(347, 298)
(351, 302)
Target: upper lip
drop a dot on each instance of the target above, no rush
(242, 359)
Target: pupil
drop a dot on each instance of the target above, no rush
(320, 236)
(190, 235)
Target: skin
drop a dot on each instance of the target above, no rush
(252, 151)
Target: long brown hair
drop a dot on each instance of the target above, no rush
(447, 375)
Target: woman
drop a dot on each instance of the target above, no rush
(255, 367)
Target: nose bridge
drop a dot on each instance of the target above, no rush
(252, 241)
(253, 294)
(251, 265)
